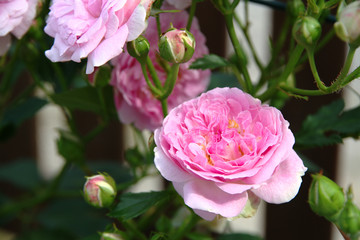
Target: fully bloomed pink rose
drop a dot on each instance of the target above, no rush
(16, 17)
(95, 29)
(133, 99)
(224, 149)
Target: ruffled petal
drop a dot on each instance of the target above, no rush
(107, 49)
(168, 169)
(206, 196)
(285, 182)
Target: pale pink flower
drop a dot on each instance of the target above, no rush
(16, 17)
(224, 149)
(96, 30)
(134, 101)
(179, 4)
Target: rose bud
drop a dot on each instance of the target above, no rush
(306, 31)
(347, 27)
(177, 46)
(296, 8)
(111, 236)
(349, 219)
(326, 198)
(139, 48)
(100, 190)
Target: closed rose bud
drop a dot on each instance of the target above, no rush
(347, 27)
(100, 190)
(296, 8)
(326, 198)
(177, 46)
(349, 219)
(139, 48)
(306, 31)
(111, 236)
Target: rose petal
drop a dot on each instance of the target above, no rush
(168, 169)
(285, 182)
(107, 49)
(206, 196)
(136, 23)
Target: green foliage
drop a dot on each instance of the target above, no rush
(102, 76)
(329, 126)
(73, 215)
(159, 236)
(210, 61)
(97, 100)
(132, 205)
(219, 79)
(22, 173)
(71, 148)
(45, 234)
(198, 236)
(15, 115)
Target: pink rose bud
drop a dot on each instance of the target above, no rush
(224, 151)
(326, 198)
(307, 31)
(177, 46)
(100, 190)
(347, 27)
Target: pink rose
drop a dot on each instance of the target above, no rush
(223, 149)
(180, 4)
(16, 17)
(95, 29)
(134, 101)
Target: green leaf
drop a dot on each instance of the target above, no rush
(219, 79)
(210, 61)
(22, 111)
(73, 215)
(318, 129)
(22, 173)
(198, 236)
(329, 126)
(85, 98)
(159, 236)
(132, 205)
(45, 234)
(70, 147)
(238, 236)
(102, 76)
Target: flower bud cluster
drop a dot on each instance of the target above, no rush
(327, 199)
